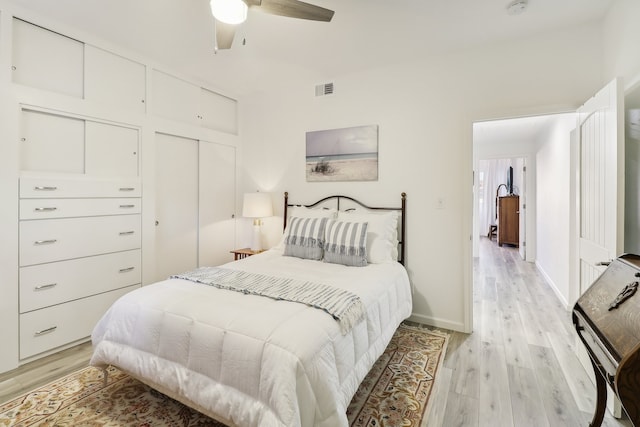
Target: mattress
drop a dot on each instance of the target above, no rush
(249, 360)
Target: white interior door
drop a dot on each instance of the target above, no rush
(176, 205)
(521, 168)
(601, 163)
(600, 152)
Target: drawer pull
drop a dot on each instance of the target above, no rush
(43, 287)
(127, 188)
(126, 233)
(45, 242)
(44, 188)
(45, 331)
(127, 206)
(126, 270)
(48, 209)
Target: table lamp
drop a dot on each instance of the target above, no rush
(257, 206)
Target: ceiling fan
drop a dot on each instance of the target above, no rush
(229, 13)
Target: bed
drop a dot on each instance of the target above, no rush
(251, 358)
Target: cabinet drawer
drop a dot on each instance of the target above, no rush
(69, 208)
(51, 327)
(48, 187)
(51, 240)
(54, 283)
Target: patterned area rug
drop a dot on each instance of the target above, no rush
(395, 393)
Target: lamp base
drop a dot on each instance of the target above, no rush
(256, 244)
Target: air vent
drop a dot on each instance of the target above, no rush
(324, 89)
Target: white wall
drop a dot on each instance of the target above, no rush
(621, 34)
(553, 202)
(425, 110)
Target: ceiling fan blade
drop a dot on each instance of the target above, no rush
(293, 9)
(224, 35)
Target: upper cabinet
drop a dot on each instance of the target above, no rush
(55, 143)
(177, 99)
(47, 60)
(114, 80)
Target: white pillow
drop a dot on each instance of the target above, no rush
(382, 233)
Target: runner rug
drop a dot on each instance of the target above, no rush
(396, 392)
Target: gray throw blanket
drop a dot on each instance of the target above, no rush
(342, 305)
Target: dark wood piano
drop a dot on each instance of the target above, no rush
(607, 319)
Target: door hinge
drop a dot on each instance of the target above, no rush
(524, 206)
(524, 169)
(524, 243)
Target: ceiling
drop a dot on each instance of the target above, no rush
(363, 33)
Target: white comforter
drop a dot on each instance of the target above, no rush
(252, 361)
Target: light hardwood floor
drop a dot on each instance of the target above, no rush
(518, 367)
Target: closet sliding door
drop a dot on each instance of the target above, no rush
(217, 203)
(176, 205)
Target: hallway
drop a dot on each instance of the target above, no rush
(519, 367)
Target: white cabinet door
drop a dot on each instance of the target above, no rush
(47, 60)
(218, 112)
(217, 203)
(111, 150)
(113, 80)
(175, 99)
(51, 143)
(176, 205)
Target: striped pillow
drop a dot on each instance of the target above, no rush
(346, 243)
(305, 238)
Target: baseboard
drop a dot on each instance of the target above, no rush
(435, 322)
(553, 286)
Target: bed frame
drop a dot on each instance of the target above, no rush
(334, 201)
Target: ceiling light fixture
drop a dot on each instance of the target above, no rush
(229, 11)
(517, 7)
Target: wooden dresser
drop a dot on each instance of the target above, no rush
(509, 220)
(607, 319)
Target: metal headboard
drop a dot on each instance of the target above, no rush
(402, 209)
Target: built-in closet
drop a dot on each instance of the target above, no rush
(111, 192)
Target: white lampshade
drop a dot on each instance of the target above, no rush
(257, 205)
(229, 11)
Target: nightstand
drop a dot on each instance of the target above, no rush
(243, 253)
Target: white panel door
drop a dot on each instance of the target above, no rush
(51, 143)
(218, 112)
(111, 150)
(601, 163)
(217, 203)
(114, 80)
(47, 60)
(175, 99)
(176, 205)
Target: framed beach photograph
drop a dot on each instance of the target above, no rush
(347, 154)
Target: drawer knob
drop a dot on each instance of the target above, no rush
(46, 209)
(127, 206)
(126, 233)
(44, 188)
(45, 242)
(127, 188)
(126, 270)
(43, 287)
(45, 331)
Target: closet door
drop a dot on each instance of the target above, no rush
(175, 99)
(110, 150)
(114, 80)
(218, 112)
(47, 60)
(176, 205)
(217, 203)
(51, 143)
